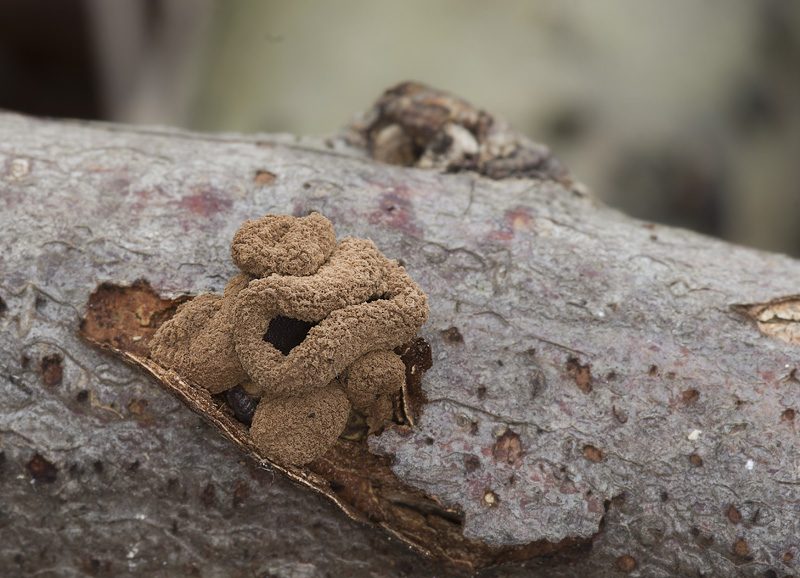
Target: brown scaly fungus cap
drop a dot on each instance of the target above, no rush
(372, 376)
(198, 341)
(171, 344)
(283, 244)
(358, 306)
(341, 337)
(295, 430)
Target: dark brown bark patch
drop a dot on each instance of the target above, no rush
(734, 515)
(452, 336)
(208, 496)
(741, 549)
(52, 371)
(264, 178)
(240, 493)
(126, 317)
(417, 357)
(508, 448)
(471, 463)
(593, 453)
(582, 374)
(42, 470)
(690, 395)
(627, 563)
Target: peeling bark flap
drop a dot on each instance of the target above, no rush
(123, 320)
(778, 318)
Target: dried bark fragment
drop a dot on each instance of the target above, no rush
(778, 318)
(51, 370)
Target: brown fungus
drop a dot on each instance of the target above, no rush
(295, 430)
(370, 377)
(214, 349)
(200, 345)
(340, 338)
(309, 327)
(171, 343)
(283, 244)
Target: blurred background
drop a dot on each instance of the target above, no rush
(681, 112)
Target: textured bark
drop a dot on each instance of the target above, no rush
(591, 376)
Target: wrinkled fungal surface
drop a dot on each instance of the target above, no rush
(340, 309)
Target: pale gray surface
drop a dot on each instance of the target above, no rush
(516, 266)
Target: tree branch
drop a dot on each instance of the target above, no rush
(596, 379)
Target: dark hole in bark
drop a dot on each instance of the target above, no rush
(285, 333)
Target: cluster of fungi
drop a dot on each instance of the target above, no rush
(307, 329)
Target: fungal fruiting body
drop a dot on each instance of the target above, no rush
(308, 328)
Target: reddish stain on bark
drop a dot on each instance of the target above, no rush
(205, 203)
(734, 515)
(517, 219)
(396, 210)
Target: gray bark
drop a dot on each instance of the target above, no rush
(577, 354)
